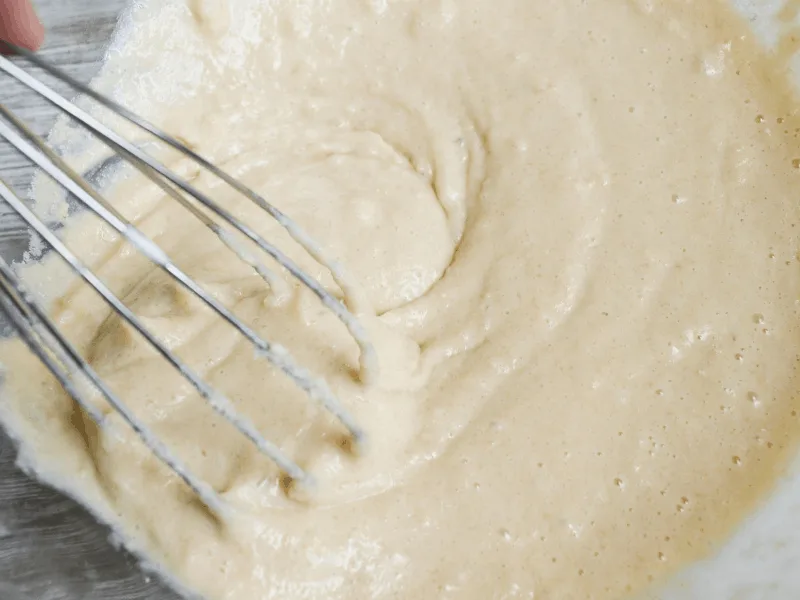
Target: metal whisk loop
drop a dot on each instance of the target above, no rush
(62, 359)
(54, 166)
(368, 357)
(218, 402)
(42, 336)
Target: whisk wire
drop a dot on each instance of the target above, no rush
(62, 359)
(217, 401)
(367, 354)
(37, 151)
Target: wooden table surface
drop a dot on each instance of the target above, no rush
(50, 548)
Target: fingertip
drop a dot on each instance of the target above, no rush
(35, 35)
(32, 33)
(19, 24)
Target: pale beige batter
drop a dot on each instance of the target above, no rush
(575, 223)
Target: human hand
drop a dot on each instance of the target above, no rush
(19, 24)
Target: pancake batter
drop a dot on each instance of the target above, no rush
(573, 225)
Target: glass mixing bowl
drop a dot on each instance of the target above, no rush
(51, 549)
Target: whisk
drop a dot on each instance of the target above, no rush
(62, 359)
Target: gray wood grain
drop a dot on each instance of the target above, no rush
(50, 548)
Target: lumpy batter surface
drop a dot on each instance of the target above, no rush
(573, 229)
